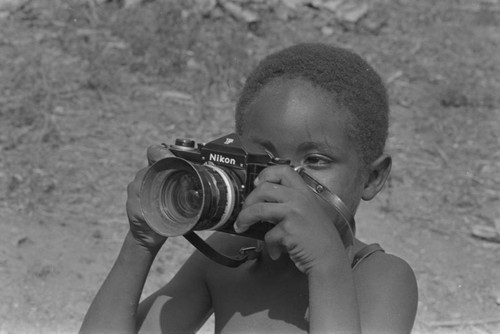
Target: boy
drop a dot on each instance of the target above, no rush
(325, 109)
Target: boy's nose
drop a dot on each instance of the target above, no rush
(295, 163)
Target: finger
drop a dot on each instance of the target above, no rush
(267, 192)
(133, 190)
(157, 152)
(259, 212)
(274, 243)
(140, 174)
(284, 175)
(134, 186)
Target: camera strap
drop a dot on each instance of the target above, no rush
(247, 253)
(347, 227)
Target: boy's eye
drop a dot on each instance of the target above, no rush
(317, 160)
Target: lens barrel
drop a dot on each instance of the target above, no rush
(178, 196)
(181, 196)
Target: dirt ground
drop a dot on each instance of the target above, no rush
(87, 86)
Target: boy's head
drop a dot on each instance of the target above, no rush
(352, 82)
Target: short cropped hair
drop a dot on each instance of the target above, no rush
(354, 83)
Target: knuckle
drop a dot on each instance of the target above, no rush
(279, 236)
(157, 152)
(288, 226)
(263, 175)
(153, 149)
(292, 224)
(150, 154)
(265, 187)
(288, 243)
(293, 211)
(273, 236)
(260, 210)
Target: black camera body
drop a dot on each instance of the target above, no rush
(203, 186)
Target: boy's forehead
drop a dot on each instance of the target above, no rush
(292, 101)
(296, 111)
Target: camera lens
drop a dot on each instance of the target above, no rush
(182, 196)
(178, 196)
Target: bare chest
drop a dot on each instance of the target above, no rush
(250, 299)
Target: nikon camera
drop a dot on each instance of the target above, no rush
(203, 186)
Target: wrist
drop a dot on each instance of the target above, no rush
(133, 246)
(144, 243)
(330, 263)
(324, 270)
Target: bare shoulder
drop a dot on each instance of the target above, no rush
(383, 263)
(386, 284)
(381, 269)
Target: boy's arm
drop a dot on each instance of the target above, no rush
(115, 306)
(387, 294)
(183, 305)
(379, 297)
(329, 284)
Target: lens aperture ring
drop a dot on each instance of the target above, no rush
(225, 198)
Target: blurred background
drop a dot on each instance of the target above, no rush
(87, 85)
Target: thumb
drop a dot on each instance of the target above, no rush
(274, 252)
(273, 243)
(157, 152)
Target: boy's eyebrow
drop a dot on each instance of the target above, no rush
(305, 146)
(323, 146)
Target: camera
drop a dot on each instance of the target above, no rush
(203, 186)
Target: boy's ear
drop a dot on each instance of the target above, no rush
(378, 174)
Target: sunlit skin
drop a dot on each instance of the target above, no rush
(296, 121)
(302, 282)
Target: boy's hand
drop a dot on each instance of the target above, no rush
(305, 229)
(140, 230)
